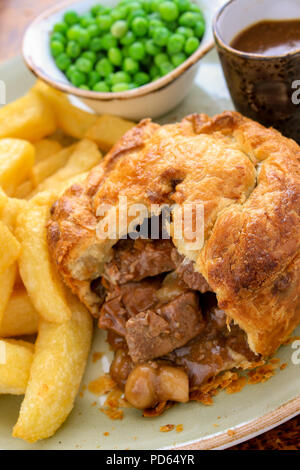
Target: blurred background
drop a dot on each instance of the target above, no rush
(15, 15)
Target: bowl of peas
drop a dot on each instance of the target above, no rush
(132, 58)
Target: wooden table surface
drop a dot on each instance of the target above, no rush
(15, 15)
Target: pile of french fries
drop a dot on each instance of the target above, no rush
(46, 144)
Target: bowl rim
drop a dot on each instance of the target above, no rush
(155, 86)
(246, 55)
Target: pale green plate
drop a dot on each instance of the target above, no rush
(249, 412)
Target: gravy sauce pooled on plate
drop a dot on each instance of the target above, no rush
(269, 38)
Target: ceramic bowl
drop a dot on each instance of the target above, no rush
(151, 100)
(264, 88)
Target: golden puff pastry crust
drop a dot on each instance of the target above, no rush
(248, 179)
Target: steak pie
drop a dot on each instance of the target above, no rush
(176, 317)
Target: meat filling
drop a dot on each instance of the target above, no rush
(135, 260)
(159, 312)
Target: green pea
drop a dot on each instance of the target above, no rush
(152, 48)
(96, 9)
(84, 87)
(175, 43)
(90, 55)
(155, 5)
(154, 71)
(119, 29)
(56, 48)
(93, 78)
(146, 4)
(165, 68)
(86, 20)
(168, 11)
(132, 86)
(71, 17)
(119, 87)
(136, 14)
(104, 67)
(104, 22)
(189, 19)
(120, 77)
(58, 37)
(187, 32)
(72, 68)
(132, 6)
(84, 65)
(199, 29)
(78, 78)
(115, 56)
(101, 86)
(153, 24)
(160, 59)
(191, 45)
(60, 27)
(161, 36)
(108, 41)
(178, 59)
(96, 44)
(93, 30)
(119, 13)
(83, 37)
(139, 26)
(128, 39)
(183, 5)
(141, 78)
(73, 49)
(63, 61)
(109, 79)
(72, 33)
(130, 66)
(137, 51)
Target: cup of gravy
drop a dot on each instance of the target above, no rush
(258, 42)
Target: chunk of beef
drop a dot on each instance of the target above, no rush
(125, 301)
(217, 348)
(136, 260)
(154, 333)
(187, 275)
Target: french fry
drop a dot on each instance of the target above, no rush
(84, 157)
(45, 148)
(3, 199)
(16, 161)
(24, 190)
(9, 248)
(11, 210)
(107, 130)
(15, 362)
(61, 353)
(39, 275)
(7, 280)
(72, 120)
(20, 317)
(49, 166)
(29, 117)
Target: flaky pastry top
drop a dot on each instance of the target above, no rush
(246, 177)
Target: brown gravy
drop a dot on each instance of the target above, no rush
(269, 38)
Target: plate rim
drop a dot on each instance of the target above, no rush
(248, 430)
